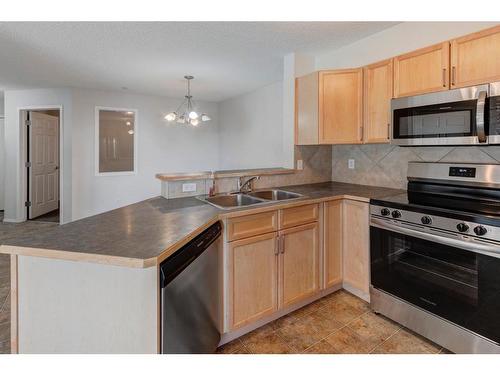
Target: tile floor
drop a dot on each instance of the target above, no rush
(336, 324)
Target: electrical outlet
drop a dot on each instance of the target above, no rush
(187, 188)
(350, 164)
(300, 165)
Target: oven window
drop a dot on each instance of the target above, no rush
(458, 285)
(446, 120)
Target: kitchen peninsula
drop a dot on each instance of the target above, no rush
(102, 271)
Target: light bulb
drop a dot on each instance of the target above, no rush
(171, 116)
(193, 115)
(195, 122)
(130, 132)
(130, 113)
(128, 123)
(205, 117)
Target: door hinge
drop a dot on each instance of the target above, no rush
(28, 123)
(27, 164)
(27, 204)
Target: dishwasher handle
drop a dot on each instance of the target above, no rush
(182, 258)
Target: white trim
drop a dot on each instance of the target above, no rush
(96, 141)
(22, 177)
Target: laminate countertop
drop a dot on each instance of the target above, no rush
(145, 233)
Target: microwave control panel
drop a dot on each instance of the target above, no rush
(494, 102)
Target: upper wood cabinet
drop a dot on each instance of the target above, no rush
(340, 106)
(356, 245)
(475, 58)
(377, 90)
(253, 279)
(328, 107)
(299, 264)
(422, 71)
(306, 110)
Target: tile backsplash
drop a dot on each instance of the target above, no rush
(386, 165)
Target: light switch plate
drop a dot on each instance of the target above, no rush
(350, 163)
(300, 165)
(186, 188)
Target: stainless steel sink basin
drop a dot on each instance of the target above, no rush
(275, 195)
(233, 200)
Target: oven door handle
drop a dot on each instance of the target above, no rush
(480, 116)
(480, 248)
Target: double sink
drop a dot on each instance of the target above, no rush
(234, 200)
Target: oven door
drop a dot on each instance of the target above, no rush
(447, 118)
(459, 285)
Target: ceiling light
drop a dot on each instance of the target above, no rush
(172, 116)
(185, 113)
(128, 123)
(130, 132)
(130, 113)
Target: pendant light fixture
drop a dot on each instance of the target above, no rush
(186, 112)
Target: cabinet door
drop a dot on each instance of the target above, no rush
(475, 58)
(253, 279)
(377, 91)
(306, 110)
(299, 263)
(356, 247)
(422, 71)
(333, 243)
(340, 106)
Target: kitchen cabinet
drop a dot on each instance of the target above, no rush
(251, 225)
(293, 216)
(356, 245)
(299, 264)
(332, 242)
(252, 278)
(422, 71)
(475, 58)
(377, 91)
(340, 106)
(328, 107)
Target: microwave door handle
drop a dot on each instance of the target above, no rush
(480, 125)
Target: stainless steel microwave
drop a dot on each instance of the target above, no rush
(466, 116)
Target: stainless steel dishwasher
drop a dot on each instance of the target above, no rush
(190, 296)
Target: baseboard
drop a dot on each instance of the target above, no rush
(7, 220)
(356, 291)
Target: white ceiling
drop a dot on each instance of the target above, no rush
(226, 58)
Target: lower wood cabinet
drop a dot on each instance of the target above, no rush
(252, 279)
(356, 246)
(332, 242)
(299, 264)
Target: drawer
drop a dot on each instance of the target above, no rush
(251, 225)
(291, 217)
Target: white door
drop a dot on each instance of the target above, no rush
(44, 169)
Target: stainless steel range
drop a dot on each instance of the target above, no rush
(435, 255)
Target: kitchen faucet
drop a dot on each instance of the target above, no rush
(246, 186)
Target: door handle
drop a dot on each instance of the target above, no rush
(56, 167)
(480, 127)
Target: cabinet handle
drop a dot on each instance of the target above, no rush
(277, 247)
(444, 77)
(388, 131)
(453, 73)
(282, 243)
(361, 133)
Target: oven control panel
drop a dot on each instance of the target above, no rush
(462, 172)
(435, 224)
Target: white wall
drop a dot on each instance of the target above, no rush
(14, 146)
(401, 38)
(162, 147)
(250, 129)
